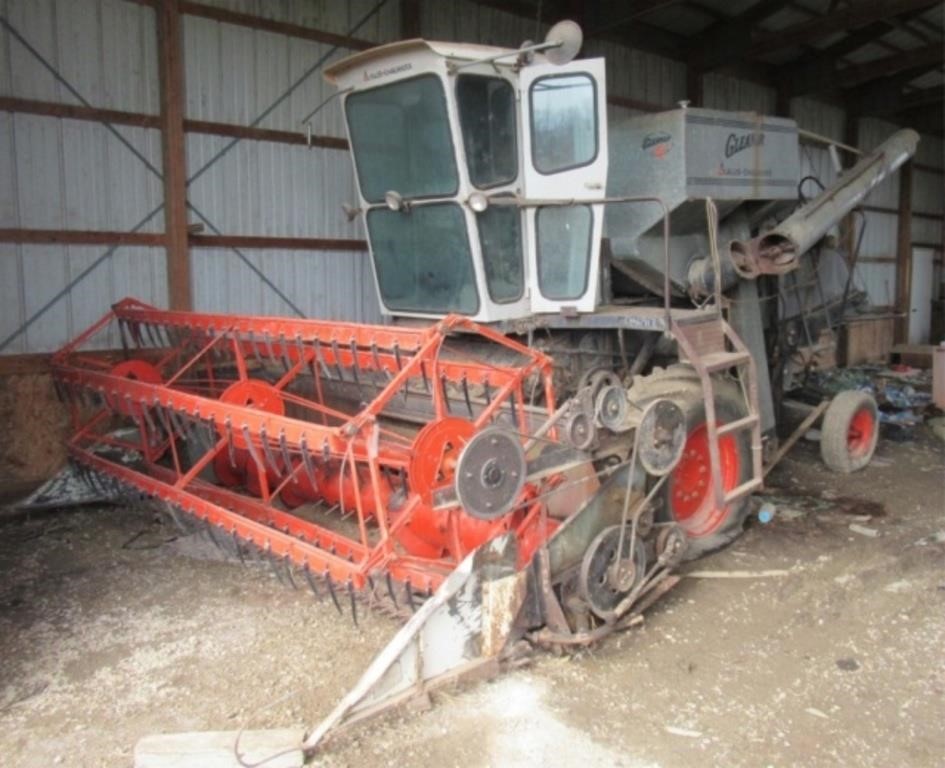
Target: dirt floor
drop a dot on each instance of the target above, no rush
(107, 633)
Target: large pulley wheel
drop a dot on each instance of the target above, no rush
(254, 394)
(660, 437)
(490, 473)
(605, 579)
(133, 370)
(435, 454)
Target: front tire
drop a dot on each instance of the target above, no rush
(688, 497)
(849, 432)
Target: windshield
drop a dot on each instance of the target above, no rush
(423, 260)
(400, 137)
(487, 118)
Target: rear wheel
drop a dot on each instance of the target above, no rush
(688, 497)
(849, 431)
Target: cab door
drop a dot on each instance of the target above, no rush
(564, 143)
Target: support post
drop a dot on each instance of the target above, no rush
(171, 68)
(904, 255)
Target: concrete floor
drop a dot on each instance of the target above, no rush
(107, 633)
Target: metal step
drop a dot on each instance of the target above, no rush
(734, 426)
(720, 361)
(743, 490)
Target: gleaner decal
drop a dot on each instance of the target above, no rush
(657, 144)
(377, 74)
(735, 143)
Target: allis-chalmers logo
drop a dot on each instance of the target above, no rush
(377, 74)
(657, 144)
(735, 142)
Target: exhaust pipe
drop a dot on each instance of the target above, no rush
(777, 251)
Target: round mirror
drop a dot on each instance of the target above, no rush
(567, 38)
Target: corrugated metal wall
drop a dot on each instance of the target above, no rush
(73, 174)
(57, 173)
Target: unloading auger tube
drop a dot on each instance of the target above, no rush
(777, 251)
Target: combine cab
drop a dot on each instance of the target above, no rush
(574, 393)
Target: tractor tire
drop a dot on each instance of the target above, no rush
(687, 498)
(849, 432)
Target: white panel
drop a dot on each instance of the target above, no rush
(920, 313)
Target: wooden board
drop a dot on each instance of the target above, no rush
(867, 340)
(215, 749)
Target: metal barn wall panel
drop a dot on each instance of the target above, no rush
(641, 76)
(328, 284)
(725, 92)
(336, 16)
(32, 275)
(70, 174)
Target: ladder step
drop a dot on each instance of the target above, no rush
(743, 490)
(720, 361)
(734, 426)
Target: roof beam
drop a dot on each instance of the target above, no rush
(849, 18)
(643, 37)
(738, 38)
(885, 97)
(824, 73)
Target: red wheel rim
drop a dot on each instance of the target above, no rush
(691, 496)
(860, 433)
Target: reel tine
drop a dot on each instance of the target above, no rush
(230, 448)
(309, 579)
(307, 461)
(287, 463)
(267, 451)
(408, 588)
(426, 379)
(444, 388)
(252, 450)
(176, 422)
(239, 548)
(331, 591)
(269, 351)
(355, 367)
(354, 603)
(288, 572)
(273, 564)
(283, 348)
(210, 534)
(320, 359)
(337, 356)
(390, 589)
(254, 348)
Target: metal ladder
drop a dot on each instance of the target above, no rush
(710, 345)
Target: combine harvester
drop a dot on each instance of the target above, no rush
(505, 464)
